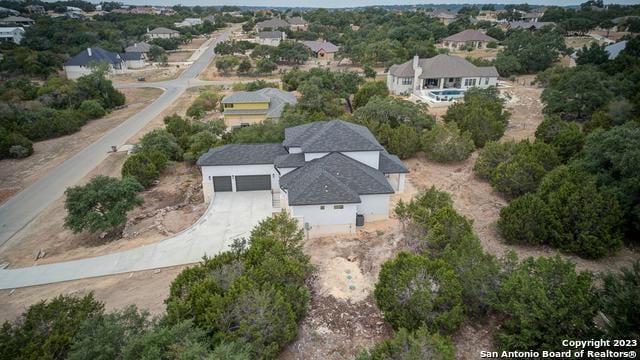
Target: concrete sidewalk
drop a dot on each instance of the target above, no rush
(229, 216)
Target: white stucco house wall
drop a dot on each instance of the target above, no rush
(162, 33)
(270, 38)
(325, 174)
(82, 63)
(442, 78)
(11, 34)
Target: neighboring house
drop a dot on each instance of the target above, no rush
(211, 19)
(328, 175)
(162, 33)
(250, 107)
(16, 21)
(490, 16)
(271, 38)
(134, 60)
(75, 15)
(11, 34)
(35, 9)
(82, 64)
(442, 78)
(614, 49)
(298, 24)
(529, 25)
(467, 39)
(141, 47)
(188, 22)
(149, 10)
(323, 50)
(532, 17)
(272, 24)
(6, 11)
(444, 17)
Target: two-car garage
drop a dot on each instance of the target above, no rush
(242, 183)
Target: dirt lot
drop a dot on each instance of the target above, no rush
(16, 174)
(577, 42)
(145, 289)
(487, 54)
(150, 74)
(179, 56)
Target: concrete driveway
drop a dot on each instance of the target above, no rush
(230, 215)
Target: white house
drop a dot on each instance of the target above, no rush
(271, 38)
(134, 60)
(82, 63)
(188, 22)
(326, 174)
(469, 38)
(162, 33)
(11, 34)
(442, 78)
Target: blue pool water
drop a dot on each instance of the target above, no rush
(447, 92)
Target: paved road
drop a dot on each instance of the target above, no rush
(23, 207)
(230, 215)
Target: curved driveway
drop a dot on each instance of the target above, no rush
(229, 216)
(23, 207)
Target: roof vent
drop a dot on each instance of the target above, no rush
(89, 51)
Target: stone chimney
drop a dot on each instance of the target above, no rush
(89, 51)
(416, 62)
(417, 71)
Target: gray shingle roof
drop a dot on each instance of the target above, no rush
(614, 49)
(529, 25)
(316, 46)
(289, 161)
(391, 164)
(335, 135)
(443, 66)
(131, 56)
(270, 35)
(98, 55)
(242, 154)
(141, 47)
(469, 35)
(296, 20)
(276, 98)
(331, 179)
(163, 30)
(273, 24)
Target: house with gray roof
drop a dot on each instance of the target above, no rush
(323, 50)
(84, 62)
(469, 38)
(162, 33)
(270, 38)
(326, 174)
(16, 21)
(139, 47)
(439, 79)
(614, 50)
(445, 17)
(298, 24)
(529, 25)
(272, 24)
(250, 107)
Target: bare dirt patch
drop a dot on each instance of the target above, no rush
(145, 289)
(151, 73)
(577, 42)
(487, 54)
(180, 56)
(16, 174)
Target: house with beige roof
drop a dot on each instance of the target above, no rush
(323, 50)
(465, 39)
(442, 78)
(162, 33)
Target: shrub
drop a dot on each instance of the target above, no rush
(620, 301)
(418, 345)
(413, 291)
(161, 140)
(566, 137)
(446, 143)
(140, 167)
(14, 145)
(92, 109)
(370, 72)
(544, 300)
(403, 141)
(46, 330)
(493, 154)
(527, 220)
(492, 45)
(244, 66)
(393, 112)
(266, 66)
(205, 102)
(368, 90)
(101, 205)
(226, 63)
(105, 337)
(481, 114)
(181, 341)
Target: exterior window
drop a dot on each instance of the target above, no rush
(227, 106)
(486, 81)
(407, 81)
(338, 207)
(469, 82)
(321, 207)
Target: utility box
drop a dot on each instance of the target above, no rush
(359, 220)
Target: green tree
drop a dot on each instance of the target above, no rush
(527, 220)
(418, 345)
(445, 143)
(566, 137)
(370, 72)
(245, 66)
(157, 54)
(198, 144)
(620, 301)
(205, 102)
(394, 112)
(144, 166)
(105, 337)
(226, 63)
(413, 291)
(177, 342)
(101, 205)
(544, 300)
(368, 91)
(482, 114)
(92, 109)
(266, 66)
(161, 140)
(47, 329)
(593, 54)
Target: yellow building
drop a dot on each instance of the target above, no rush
(251, 107)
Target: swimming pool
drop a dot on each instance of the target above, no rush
(445, 95)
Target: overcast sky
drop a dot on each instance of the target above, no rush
(352, 3)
